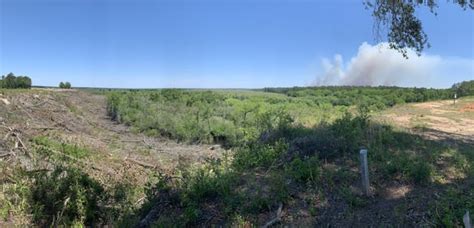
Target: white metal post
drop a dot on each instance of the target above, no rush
(364, 170)
(467, 220)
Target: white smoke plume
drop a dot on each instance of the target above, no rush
(380, 65)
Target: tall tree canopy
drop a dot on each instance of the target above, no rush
(404, 28)
(13, 82)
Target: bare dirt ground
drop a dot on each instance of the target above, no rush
(80, 118)
(435, 120)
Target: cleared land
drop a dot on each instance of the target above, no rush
(421, 172)
(116, 153)
(437, 119)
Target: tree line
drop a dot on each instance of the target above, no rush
(465, 88)
(10, 81)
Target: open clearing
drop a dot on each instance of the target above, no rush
(437, 119)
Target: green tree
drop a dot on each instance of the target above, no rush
(23, 82)
(1, 81)
(65, 85)
(10, 81)
(404, 28)
(465, 88)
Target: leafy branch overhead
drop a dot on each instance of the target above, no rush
(404, 28)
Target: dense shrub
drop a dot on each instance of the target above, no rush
(306, 170)
(420, 172)
(198, 116)
(276, 150)
(66, 197)
(258, 155)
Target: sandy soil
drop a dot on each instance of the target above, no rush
(436, 120)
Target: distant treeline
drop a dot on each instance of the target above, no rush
(381, 96)
(465, 88)
(15, 82)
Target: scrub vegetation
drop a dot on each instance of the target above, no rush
(290, 157)
(284, 143)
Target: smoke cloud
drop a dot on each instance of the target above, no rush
(380, 65)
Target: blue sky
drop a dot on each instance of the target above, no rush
(208, 44)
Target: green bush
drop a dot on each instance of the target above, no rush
(45, 146)
(66, 197)
(258, 155)
(420, 172)
(449, 209)
(308, 170)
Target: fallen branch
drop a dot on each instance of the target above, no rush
(27, 113)
(139, 201)
(7, 178)
(153, 214)
(89, 164)
(131, 140)
(18, 143)
(276, 219)
(38, 104)
(7, 154)
(144, 164)
(45, 128)
(38, 171)
(146, 143)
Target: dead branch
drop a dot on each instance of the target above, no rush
(6, 136)
(18, 143)
(277, 218)
(146, 143)
(63, 125)
(7, 178)
(153, 214)
(38, 104)
(131, 140)
(27, 113)
(45, 128)
(7, 154)
(144, 164)
(89, 164)
(38, 171)
(139, 201)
